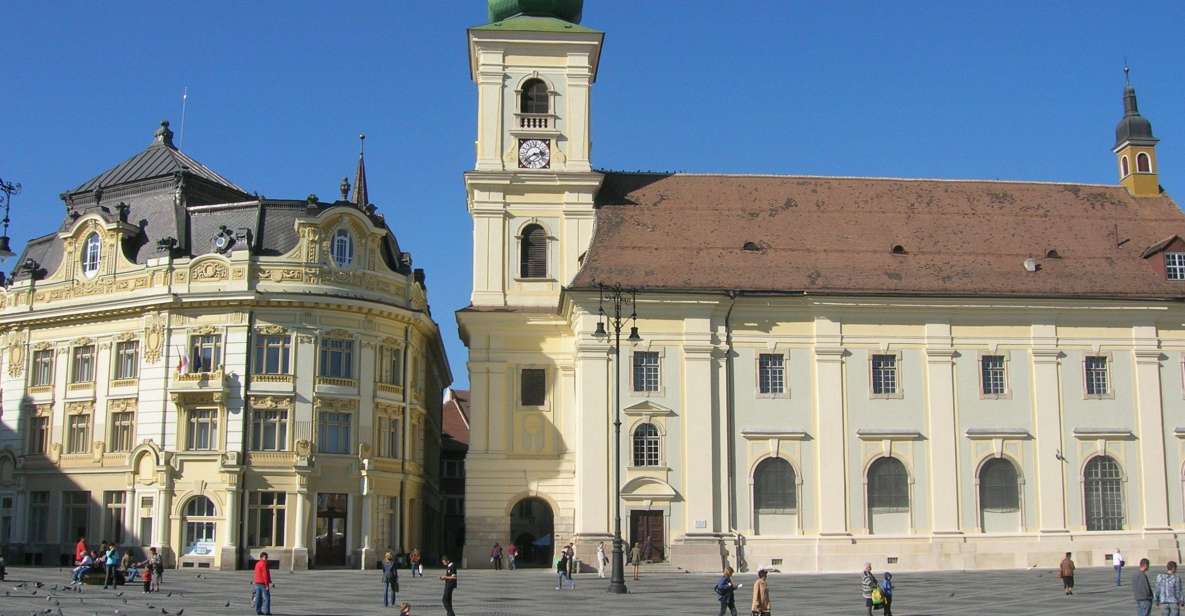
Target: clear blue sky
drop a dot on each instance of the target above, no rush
(280, 90)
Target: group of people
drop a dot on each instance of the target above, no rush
(726, 594)
(497, 554)
(116, 568)
(1166, 593)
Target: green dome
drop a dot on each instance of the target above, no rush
(567, 10)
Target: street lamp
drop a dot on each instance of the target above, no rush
(8, 189)
(617, 297)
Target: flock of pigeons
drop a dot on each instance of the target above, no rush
(54, 600)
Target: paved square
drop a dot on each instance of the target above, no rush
(532, 593)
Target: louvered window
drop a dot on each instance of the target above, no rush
(534, 97)
(533, 261)
(888, 486)
(998, 490)
(534, 387)
(774, 489)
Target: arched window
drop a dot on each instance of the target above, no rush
(998, 488)
(646, 442)
(1124, 167)
(91, 251)
(343, 248)
(774, 489)
(888, 496)
(1104, 494)
(1143, 163)
(199, 527)
(533, 257)
(534, 97)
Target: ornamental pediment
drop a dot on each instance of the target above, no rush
(648, 408)
(648, 488)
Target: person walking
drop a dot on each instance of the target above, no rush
(887, 593)
(761, 605)
(512, 556)
(450, 584)
(602, 560)
(111, 567)
(1066, 572)
(867, 584)
(262, 581)
(561, 569)
(1117, 561)
(636, 558)
(1168, 595)
(726, 592)
(496, 556)
(390, 580)
(1142, 590)
(417, 564)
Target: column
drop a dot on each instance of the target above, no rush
(230, 533)
(699, 426)
(351, 521)
(1051, 505)
(367, 522)
(130, 510)
(831, 446)
(163, 524)
(299, 538)
(591, 420)
(943, 435)
(1150, 420)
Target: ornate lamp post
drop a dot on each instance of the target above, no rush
(7, 189)
(617, 298)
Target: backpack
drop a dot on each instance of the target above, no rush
(878, 597)
(722, 587)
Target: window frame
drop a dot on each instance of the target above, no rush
(257, 510)
(38, 444)
(1109, 393)
(118, 360)
(324, 352)
(118, 431)
(263, 345)
(898, 391)
(390, 356)
(37, 528)
(990, 505)
(526, 96)
(757, 488)
(70, 509)
(72, 446)
(77, 353)
(907, 493)
(275, 418)
(525, 242)
(115, 507)
(1146, 168)
(1178, 267)
(35, 372)
(342, 261)
(206, 522)
(389, 428)
(1120, 484)
(1124, 166)
(1006, 393)
(348, 427)
(784, 391)
(652, 446)
(91, 255)
(521, 389)
(633, 367)
(212, 418)
(198, 344)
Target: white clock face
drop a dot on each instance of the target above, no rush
(534, 153)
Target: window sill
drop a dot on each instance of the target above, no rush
(272, 378)
(125, 382)
(336, 382)
(781, 396)
(661, 467)
(896, 396)
(40, 389)
(1110, 396)
(528, 280)
(546, 408)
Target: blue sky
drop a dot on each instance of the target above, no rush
(279, 91)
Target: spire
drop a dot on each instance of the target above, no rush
(1135, 146)
(361, 199)
(1133, 127)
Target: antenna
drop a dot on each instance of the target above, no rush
(184, 102)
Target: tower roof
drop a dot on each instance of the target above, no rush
(1134, 127)
(361, 197)
(567, 10)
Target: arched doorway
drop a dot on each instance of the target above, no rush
(888, 497)
(532, 530)
(775, 498)
(999, 497)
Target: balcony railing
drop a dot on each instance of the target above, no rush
(535, 121)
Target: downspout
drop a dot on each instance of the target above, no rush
(730, 411)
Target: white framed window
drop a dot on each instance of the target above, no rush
(205, 353)
(1143, 163)
(92, 249)
(82, 364)
(1174, 265)
(42, 373)
(1097, 374)
(337, 358)
(647, 445)
(146, 516)
(127, 359)
(199, 527)
(885, 375)
(647, 371)
(265, 519)
(269, 429)
(1124, 166)
(771, 374)
(272, 353)
(391, 365)
(453, 469)
(78, 433)
(201, 432)
(38, 435)
(123, 430)
(390, 438)
(343, 248)
(333, 432)
(993, 376)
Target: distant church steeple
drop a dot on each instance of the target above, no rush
(361, 198)
(1135, 147)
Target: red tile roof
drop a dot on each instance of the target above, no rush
(837, 235)
(456, 415)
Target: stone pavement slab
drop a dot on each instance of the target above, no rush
(532, 593)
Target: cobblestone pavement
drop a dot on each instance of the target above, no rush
(532, 593)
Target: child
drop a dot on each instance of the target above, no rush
(405, 609)
(147, 579)
(887, 592)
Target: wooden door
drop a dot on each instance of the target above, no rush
(648, 525)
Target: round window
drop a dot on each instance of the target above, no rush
(343, 248)
(91, 251)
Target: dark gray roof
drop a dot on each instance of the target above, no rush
(1133, 127)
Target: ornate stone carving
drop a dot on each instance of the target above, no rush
(271, 402)
(204, 330)
(81, 341)
(122, 405)
(196, 398)
(303, 448)
(271, 330)
(306, 338)
(238, 273)
(364, 450)
(154, 337)
(98, 448)
(77, 407)
(43, 346)
(337, 333)
(125, 337)
(209, 271)
(15, 341)
(341, 405)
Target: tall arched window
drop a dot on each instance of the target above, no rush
(199, 527)
(1143, 163)
(1124, 167)
(999, 496)
(888, 496)
(1104, 494)
(534, 97)
(646, 441)
(533, 257)
(92, 249)
(343, 248)
(774, 490)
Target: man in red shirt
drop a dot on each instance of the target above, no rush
(80, 550)
(263, 586)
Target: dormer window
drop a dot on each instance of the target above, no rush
(91, 251)
(1174, 265)
(534, 97)
(1143, 163)
(343, 248)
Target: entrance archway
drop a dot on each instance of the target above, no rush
(532, 530)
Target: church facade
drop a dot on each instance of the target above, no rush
(923, 374)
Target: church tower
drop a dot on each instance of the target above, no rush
(1135, 147)
(531, 191)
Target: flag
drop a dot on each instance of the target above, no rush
(182, 363)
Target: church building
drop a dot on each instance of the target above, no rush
(919, 373)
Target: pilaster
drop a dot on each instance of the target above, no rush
(701, 457)
(944, 459)
(1150, 420)
(832, 446)
(592, 419)
(1047, 410)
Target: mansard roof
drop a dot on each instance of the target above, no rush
(835, 235)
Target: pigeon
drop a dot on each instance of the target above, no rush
(227, 604)
(164, 611)
(169, 594)
(119, 594)
(179, 612)
(39, 584)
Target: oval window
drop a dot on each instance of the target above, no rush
(343, 248)
(91, 251)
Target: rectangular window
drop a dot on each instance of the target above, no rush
(265, 519)
(42, 373)
(201, 430)
(127, 360)
(1097, 381)
(123, 429)
(146, 517)
(1174, 265)
(114, 505)
(995, 381)
(391, 365)
(533, 386)
(82, 365)
(337, 358)
(390, 436)
(78, 433)
(771, 373)
(6, 503)
(334, 433)
(38, 515)
(205, 353)
(271, 354)
(454, 469)
(646, 370)
(454, 505)
(38, 435)
(884, 375)
(75, 515)
(269, 429)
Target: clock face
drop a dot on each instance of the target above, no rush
(534, 153)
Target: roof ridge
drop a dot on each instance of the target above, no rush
(859, 177)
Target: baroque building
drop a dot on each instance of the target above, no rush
(213, 373)
(918, 373)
